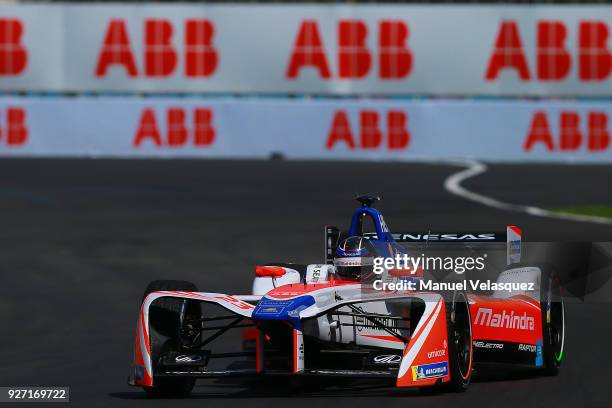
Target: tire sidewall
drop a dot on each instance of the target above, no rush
(162, 342)
(549, 285)
(459, 381)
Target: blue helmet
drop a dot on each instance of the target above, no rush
(354, 258)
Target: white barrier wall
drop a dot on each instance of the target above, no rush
(331, 49)
(306, 129)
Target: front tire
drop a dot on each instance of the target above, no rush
(165, 316)
(459, 334)
(459, 327)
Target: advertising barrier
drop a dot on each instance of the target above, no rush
(306, 128)
(351, 49)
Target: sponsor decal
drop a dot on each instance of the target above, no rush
(388, 359)
(199, 133)
(13, 52)
(266, 306)
(448, 237)
(504, 320)
(593, 136)
(282, 309)
(296, 312)
(514, 251)
(436, 353)
(539, 357)
(288, 293)
(439, 237)
(14, 130)
(426, 371)
(489, 345)
(527, 347)
(199, 55)
(235, 302)
(355, 59)
(316, 275)
(355, 260)
(361, 323)
(515, 246)
(184, 358)
(372, 135)
(557, 66)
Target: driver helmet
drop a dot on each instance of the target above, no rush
(354, 258)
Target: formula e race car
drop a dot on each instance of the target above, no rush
(328, 319)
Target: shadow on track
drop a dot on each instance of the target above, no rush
(286, 387)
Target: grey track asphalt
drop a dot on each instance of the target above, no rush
(80, 239)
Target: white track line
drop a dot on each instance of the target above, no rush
(452, 184)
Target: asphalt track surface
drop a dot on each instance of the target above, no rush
(79, 240)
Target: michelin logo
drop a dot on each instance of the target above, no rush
(426, 371)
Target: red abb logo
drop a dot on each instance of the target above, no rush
(15, 131)
(201, 134)
(553, 60)
(370, 133)
(571, 138)
(354, 58)
(13, 54)
(160, 56)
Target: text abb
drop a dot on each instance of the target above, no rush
(354, 58)
(370, 134)
(13, 128)
(553, 59)
(160, 56)
(13, 54)
(199, 132)
(595, 136)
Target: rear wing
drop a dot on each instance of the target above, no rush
(511, 238)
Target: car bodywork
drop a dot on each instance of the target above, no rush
(310, 322)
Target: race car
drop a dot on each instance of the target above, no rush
(327, 319)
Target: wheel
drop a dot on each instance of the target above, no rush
(553, 321)
(459, 332)
(165, 317)
(459, 327)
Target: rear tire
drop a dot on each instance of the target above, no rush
(553, 321)
(164, 324)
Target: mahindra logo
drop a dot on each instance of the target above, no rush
(388, 359)
(505, 320)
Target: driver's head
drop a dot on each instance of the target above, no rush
(355, 258)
